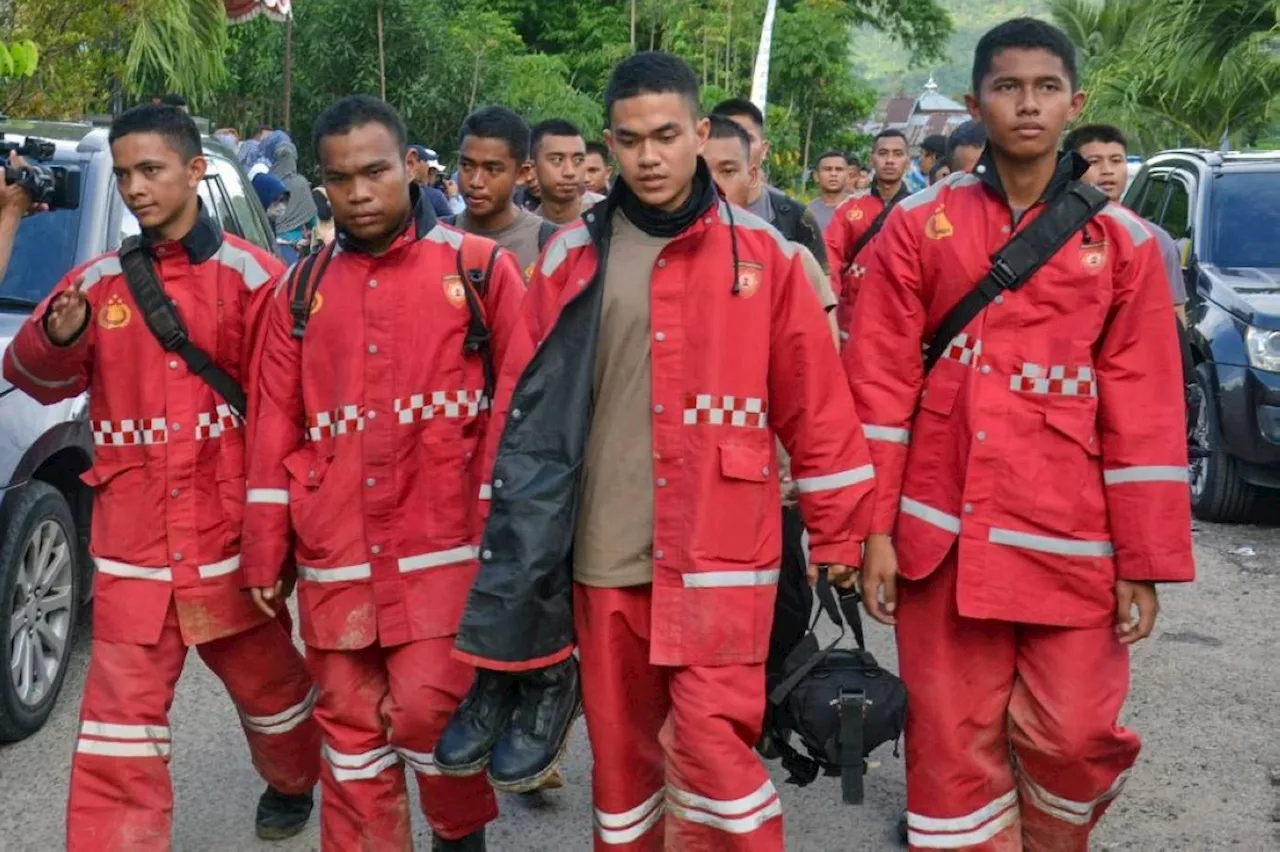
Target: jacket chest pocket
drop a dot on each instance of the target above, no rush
(448, 485)
(118, 487)
(734, 525)
(1052, 487)
(317, 505)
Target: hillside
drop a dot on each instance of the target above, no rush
(885, 64)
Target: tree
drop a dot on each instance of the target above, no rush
(79, 57)
(177, 46)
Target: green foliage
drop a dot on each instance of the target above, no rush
(177, 46)
(79, 56)
(18, 59)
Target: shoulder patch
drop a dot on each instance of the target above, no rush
(1135, 227)
(103, 267)
(243, 262)
(931, 194)
(749, 221)
(557, 251)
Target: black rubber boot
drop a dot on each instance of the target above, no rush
(902, 829)
(280, 815)
(475, 726)
(530, 749)
(473, 842)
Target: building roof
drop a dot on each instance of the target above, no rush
(899, 110)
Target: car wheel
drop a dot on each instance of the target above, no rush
(1218, 493)
(38, 594)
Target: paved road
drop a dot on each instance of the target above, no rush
(1206, 697)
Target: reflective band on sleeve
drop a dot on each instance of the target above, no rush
(843, 479)
(284, 721)
(888, 434)
(133, 572)
(438, 558)
(930, 515)
(342, 574)
(277, 496)
(730, 579)
(220, 569)
(36, 380)
(1050, 544)
(1151, 473)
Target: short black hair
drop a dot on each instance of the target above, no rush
(173, 99)
(970, 134)
(829, 154)
(888, 133)
(723, 127)
(260, 128)
(935, 144)
(177, 128)
(741, 108)
(498, 122)
(854, 162)
(354, 111)
(551, 127)
(599, 148)
(1023, 34)
(1086, 133)
(650, 72)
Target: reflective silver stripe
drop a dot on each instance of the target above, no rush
(968, 822)
(277, 496)
(843, 479)
(135, 572)
(420, 762)
(575, 236)
(33, 378)
(732, 825)
(115, 748)
(730, 579)
(626, 818)
(438, 558)
(116, 731)
(101, 268)
(341, 574)
(622, 836)
(1050, 544)
(445, 236)
(931, 194)
(243, 262)
(486, 491)
(1149, 473)
(889, 434)
(725, 807)
(285, 720)
(749, 221)
(1067, 810)
(966, 839)
(930, 515)
(1137, 231)
(359, 767)
(219, 569)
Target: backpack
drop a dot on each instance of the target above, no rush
(839, 701)
(476, 257)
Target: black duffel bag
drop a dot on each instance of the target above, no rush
(839, 702)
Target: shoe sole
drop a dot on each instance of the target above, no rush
(466, 771)
(535, 782)
(274, 834)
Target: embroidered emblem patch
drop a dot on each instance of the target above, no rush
(938, 227)
(115, 314)
(854, 214)
(1093, 256)
(749, 276)
(317, 302)
(454, 290)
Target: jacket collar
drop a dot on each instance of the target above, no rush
(1071, 168)
(599, 219)
(422, 220)
(200, 243)
(903, 192)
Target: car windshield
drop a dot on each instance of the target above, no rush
(1246, 219)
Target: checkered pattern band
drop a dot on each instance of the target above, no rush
(450, 404)
(1057, 379)
(965, 349)
(213, 425)
(128, 433)
(706, 409)
(329, 424)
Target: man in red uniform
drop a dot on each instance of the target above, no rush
(168, 480)
(366, 460)
(667, 338)
(856, 222)
(1035, 481)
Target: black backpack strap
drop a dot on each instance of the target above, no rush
(475, 279)
(870, 234)
(827, 601)
(853, 711)
(303, 286)
(1014, 264)
(546, 231)
(162, 319)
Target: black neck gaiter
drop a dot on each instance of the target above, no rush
(660, 223)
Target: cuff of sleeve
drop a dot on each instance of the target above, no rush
(847, 552)
(77, 338)
(260, 576)
(1172, 567)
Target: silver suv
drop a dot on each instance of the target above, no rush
(45, 571)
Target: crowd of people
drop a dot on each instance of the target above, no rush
(533, 448)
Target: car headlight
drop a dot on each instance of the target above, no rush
(1263, 348)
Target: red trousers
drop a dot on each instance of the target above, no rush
(380, 708)
(674, 766)
(121, 795)
(1012, 739)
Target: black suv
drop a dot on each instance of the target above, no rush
(1224, 211)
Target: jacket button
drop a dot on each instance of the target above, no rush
(177, 427)
(657, 554)
(311, 474)
(370, 482)
(968, 508)
(658, 409)
(177, 557)
(174, 493)
(986, 369)
(373, 349)
(764, 471)
(982, 436)
(497, 483)
(999, 299)
(515, 414)
(662, 263)
(372, 415)
(486, 555)
(706, 221)
(375, 550)
(659, 337)
(373, 283)
(173, 365)
(662, 483)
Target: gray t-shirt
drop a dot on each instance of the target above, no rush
(520, 238)
(821, 213)
(1172, 257)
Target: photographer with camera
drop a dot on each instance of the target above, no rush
(16, 202)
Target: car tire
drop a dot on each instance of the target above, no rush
(1218, 493)
(39, 590)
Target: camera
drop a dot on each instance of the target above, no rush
(56, 186)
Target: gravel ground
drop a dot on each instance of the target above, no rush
(1206, 698)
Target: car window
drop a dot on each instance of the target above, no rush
(44, 250)
(1244, 218)
(1148, 206)
(244, 204)
(215, 201)
(1176, 218)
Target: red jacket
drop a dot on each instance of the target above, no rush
(729, 369)
(1050, 439)
(850, 220)
(367, 437)
(168, 471)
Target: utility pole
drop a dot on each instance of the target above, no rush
(382, 56)
(288, 69)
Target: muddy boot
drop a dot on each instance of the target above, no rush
(281, 815)
(473, 842)
(475, 726)
(529, 751)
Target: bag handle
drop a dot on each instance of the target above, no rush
(827, 600)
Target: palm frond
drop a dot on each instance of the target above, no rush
(179, 46)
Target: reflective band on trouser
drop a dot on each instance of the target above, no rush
(735, 816)
(963, 831)
(359, 767)
(1050, 544)
(274, 496)
(730, 579)
(341, 574)
(629, 826)
(888, 434)
(930, 515)
(420, 762)
(1067, 810)
(843, 479)
(108, 739)
(1150, 473)
(284, 721)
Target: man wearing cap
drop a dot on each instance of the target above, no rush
(422, 162)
